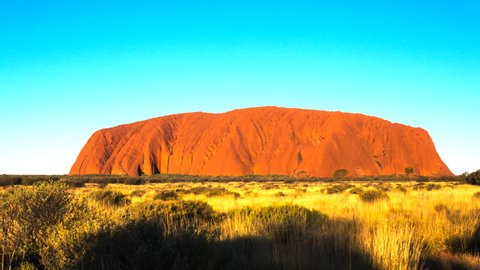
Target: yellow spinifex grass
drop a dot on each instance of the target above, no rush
(415, 220)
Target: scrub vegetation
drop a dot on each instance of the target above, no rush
(267, 224)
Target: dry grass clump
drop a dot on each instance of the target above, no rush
(138, 193)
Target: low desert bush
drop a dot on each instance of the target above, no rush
(338, 188)
(110, 198)
(356, 190)
(210, 192)
(222, 192)
(372, 195)
(28, 219)
(433, 187)
(283, 222)
(167, 195)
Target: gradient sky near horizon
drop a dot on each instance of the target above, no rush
(68, 68)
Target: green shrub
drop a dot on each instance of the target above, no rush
(102, 185)
(28, 216)
(401, 188)
(473, 178)
(74, 183)
(340, 173)
(419, 186)
(222, 192)
(356, 190)
(8, 180)
(269, 186)
(433, 187)
(408, 171)
(373, 195)
(167, 195)
(133, 181)
(284, 222)
(339, 188)
(110, 198)
(211, 192)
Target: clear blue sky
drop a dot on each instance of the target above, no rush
(68, 68)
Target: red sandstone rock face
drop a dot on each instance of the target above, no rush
(266, 140)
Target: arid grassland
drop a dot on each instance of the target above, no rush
(241, 225)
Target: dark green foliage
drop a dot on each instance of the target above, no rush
(75, 183)
(401, 188)
(339, 188)
(419, 186)
(211, 192)
(473, 178)
(433, 187)
(134, 181)
(110, 198)
(425, 186)
(269, 186)
(27, 217)
(372, 195)
(8, 180)
(408, 171)
(167, 195)
(222, 192)
(340, 173)
(356, 190)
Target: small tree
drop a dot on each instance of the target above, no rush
(408, 170)
(340, 173)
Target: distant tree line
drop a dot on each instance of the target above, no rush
(473, 178)
(339, 175)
